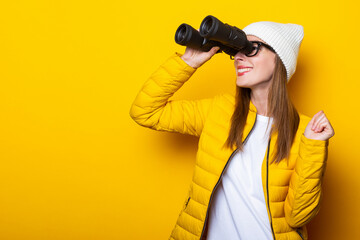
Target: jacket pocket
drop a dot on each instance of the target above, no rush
(299, 232)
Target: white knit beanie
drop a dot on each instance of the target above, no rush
(285, 39)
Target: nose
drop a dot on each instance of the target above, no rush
(239, 56)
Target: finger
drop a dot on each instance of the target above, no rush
(319, 118)
(215, 49)
(212, 51)
(319, 127)
(319, 113)
(313, 119)
(324, 124)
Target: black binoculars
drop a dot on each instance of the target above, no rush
(213, 33)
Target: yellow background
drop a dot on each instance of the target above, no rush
(73, 164)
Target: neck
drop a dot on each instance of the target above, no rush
(259, 98)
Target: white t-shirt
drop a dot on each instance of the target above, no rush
(238, 209)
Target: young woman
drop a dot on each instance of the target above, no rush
(260, 164)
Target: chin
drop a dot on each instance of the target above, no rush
(242, 83)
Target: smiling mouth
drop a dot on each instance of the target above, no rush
(242, 71)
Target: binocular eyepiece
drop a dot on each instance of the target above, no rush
(213, 33)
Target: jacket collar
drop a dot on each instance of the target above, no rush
(252, 107)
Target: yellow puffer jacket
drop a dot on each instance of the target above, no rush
(292, 188)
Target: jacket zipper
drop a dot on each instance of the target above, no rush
(187, 202)
(298, 231)
(267, 187)
(217, 183)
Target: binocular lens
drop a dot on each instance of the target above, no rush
(180, 34)
(206, 26)
(187, 36)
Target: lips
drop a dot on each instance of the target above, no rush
(241, 70)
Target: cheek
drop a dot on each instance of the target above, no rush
(268, 67)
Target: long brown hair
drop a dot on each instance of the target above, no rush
(285, 116)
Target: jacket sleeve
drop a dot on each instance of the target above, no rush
(153, 109)
(304, 196)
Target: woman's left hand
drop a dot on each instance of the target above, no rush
(319, 127)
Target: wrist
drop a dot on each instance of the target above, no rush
(189, 62)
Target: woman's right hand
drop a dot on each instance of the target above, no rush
(196, 58)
